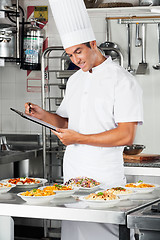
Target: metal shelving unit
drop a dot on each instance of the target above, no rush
(53, 78)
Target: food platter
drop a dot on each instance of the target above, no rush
(20, 182)
(5, 187)
(36, 200)
(121, 192)
(141, 189)
(83, 184)
(99, 204)
(61, 193)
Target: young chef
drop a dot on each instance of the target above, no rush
(98, 115)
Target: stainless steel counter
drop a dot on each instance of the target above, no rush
(76, 210)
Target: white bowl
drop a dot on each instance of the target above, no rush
(36, 199)
(61, 193)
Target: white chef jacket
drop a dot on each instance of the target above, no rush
(96, 102)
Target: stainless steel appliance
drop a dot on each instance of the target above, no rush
(7, 41)
(147, 221)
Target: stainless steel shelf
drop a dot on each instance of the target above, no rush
(120, 12)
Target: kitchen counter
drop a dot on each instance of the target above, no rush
(15, 156)
(142, 168)
(73, 209)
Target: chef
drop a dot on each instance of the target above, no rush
(97, 117)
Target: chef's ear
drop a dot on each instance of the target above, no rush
(93, 44)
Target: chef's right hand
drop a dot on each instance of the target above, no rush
(34, 110)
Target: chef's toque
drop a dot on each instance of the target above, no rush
(72, 22)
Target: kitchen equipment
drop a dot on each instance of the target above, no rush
(149, 2)
(142, 67)
(7, 41)
(138, 40)
(133, 149)
(157, 66)
(4, 4)
(147, 221)
(107, 45)
(33, 44)
(90, 3)
(129, 68)
(142, 157)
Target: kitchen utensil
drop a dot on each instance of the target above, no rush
(107, 45)
(149, 2)
(157, 66)
(142, 67)
(129, 68)
(133, 149)
(138, 40)
(7, 41)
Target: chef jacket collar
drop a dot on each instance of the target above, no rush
(98, 68)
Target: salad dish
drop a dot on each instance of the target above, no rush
(25, 182)
(37, 196)
(141, 187)
(122, 192)
(83, 183)
(5, 187)
(101, 200)
(61, 191)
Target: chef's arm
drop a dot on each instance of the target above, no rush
(52, 118)
(122, 135)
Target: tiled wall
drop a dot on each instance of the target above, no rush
(13, 82)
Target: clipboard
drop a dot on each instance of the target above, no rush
(33, 119)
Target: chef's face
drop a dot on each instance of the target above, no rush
(83, 56)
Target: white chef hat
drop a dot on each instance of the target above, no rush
(72, 22)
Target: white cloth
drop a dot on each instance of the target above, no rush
(95, 102)
(72, 22)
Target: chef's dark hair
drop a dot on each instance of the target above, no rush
(87, 44)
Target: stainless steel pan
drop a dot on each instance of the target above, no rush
(149, 2)
(107, 45)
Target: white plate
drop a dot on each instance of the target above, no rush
(6, 189)
(87, 189)
(61, 193)
(143, 190)
(123, 196)
(36, 199)
(42, 182)
(100, 204)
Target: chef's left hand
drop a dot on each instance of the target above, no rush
(67, 136)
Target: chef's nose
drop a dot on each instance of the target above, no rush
(76, 59)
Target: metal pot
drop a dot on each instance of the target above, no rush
(4, 4)
(7, 41)
(149, 2)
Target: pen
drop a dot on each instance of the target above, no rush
(29, 107)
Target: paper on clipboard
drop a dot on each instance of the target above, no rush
(35, 120)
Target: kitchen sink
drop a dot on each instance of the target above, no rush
(24, 153)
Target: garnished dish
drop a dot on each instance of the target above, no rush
(60, 190)
(83, 183)
(101, 200)
(5, 187)
(122, 192)
(26, 181)
(37, 196)
(141, 187)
